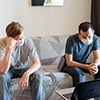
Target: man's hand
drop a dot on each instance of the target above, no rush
(23, 84)
(11, 42)
(93, 68)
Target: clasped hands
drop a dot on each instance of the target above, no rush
(93, 68)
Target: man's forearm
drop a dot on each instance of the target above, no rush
(5, 63)
(76, 64)
(34, 67)
(97, 61)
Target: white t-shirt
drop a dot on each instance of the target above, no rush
(19, 57)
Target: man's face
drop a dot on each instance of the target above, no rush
(87, 35)
(19, 37)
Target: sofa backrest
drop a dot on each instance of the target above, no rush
(50, 48)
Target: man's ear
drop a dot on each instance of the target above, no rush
(93, 31)
(79, 33)
(79, 36)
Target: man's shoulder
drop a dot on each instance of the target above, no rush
(27, 40)
(73, 37)
(95, 37)
(3, 41)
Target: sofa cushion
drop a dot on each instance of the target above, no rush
(50, 48)
(51, 82)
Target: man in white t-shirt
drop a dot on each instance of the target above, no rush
(14, 52)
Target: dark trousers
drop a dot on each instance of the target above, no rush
(78, 73)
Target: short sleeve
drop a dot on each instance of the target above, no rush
(95, 43)
(69, 46)
(2, 51)
(32, 51)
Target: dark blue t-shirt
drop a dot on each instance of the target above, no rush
(79, 50)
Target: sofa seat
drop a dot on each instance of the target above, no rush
(52, 79)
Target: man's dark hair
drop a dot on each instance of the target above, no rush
(85, 26)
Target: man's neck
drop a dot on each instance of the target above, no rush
(79, 36)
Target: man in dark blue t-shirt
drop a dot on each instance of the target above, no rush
(78, 48)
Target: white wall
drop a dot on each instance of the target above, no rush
(44, 21)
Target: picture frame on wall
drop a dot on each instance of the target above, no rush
(47, 2)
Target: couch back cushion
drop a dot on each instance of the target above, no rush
(50, 49)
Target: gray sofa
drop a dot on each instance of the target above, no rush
(50, 49)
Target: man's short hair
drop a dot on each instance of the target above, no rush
(85, 26)
(14, 29)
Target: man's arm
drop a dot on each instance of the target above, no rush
(90, 67)
(25, 78)
(72, 63)
(35, 66)
(96, 54)
(5, 63)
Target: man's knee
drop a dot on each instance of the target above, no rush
(37, 75)
(78, 71)
(4, 78)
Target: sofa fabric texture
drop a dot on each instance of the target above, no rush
(50, 49)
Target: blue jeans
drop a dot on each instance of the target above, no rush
(35, 81)
(78, 73)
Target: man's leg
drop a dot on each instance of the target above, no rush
(36, 85)
(5, 85)
(35, 80)
(76, 73)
